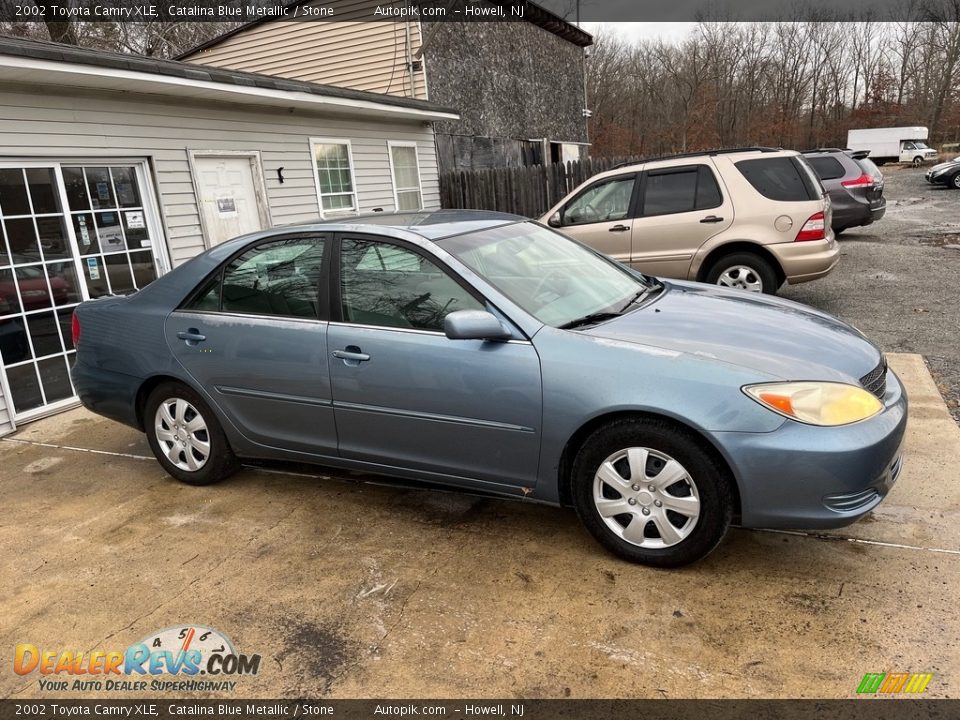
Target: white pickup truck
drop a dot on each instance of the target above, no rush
(895, 144)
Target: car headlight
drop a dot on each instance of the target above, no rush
(816, 403)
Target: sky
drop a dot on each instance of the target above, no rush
(635, 31)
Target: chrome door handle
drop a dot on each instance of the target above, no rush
(192, 336)
(619, 228)
(351, 355)
(712, 219)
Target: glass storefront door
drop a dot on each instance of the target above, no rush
(68, 233)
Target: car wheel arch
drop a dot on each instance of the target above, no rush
(736, 246)
(580, 435)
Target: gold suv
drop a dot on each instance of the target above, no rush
(747, 218)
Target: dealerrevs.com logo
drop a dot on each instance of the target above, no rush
(199, 658)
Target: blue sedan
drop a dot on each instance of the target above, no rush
(487, 352)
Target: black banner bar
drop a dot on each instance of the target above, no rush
(158, 709)
(475, 10)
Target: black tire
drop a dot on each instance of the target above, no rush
(917, 161)
(955, 181)
(711, 480)
(758, 265)
(220, 462)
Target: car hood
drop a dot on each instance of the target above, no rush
(773, 336)
(945, 166)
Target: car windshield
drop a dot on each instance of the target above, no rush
(558, 281)
(920, 144)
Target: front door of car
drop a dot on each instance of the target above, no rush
(601, 216)
(254, 338)
(679, 209)
(407, 396)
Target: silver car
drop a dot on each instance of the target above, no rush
(490, 353)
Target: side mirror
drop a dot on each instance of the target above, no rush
(554, 220)
(474, 325)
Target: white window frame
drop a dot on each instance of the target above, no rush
(355, 210)
(391, 144)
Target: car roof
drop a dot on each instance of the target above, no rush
(428, 224)
(739, 152)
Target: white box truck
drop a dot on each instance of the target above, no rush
(895, 144)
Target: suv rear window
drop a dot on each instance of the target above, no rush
(827, 168)
(780, 178)
(869, 167)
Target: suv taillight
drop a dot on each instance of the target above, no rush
(862, 181)
(813, 229)
(75, 329)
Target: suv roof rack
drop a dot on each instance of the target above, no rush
(855, 154)
(698, 153)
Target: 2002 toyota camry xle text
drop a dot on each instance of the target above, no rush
(488, 352)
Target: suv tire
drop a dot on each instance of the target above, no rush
(745, 270)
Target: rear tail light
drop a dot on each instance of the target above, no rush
(862, 181)
(75, 329)
(813, 229)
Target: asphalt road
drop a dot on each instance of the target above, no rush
(898, 280)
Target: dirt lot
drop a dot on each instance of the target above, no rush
(899, 281)
(350, 590)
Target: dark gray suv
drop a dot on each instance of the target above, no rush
(854, 183)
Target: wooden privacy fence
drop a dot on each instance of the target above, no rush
(528, 191)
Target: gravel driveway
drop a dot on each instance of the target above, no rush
(898, 280)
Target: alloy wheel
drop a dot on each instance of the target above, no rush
(646, 498)
(742, 277)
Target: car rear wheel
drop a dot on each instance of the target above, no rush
(186, 437)
(744, 271)
(650, 493)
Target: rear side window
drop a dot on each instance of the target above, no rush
(682, 190)
(827, 168)
(780, 178)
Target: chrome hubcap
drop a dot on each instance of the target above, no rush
(182, 434)
(742, 278)
(646, 498)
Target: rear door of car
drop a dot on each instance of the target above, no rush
(602, 214)
(254, 337)
(679, 208)
(407, 396)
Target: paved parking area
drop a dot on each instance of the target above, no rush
(357, 590)
(899, 279)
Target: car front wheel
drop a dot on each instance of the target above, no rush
(651, 494)
(744, 271)
(955, 182)
(185, 436)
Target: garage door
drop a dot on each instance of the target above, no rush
(68, 233)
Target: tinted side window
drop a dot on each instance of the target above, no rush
(670, 192)
(827, 168)
(607, 200)
(280, 278)
(708, 192)
(391, 286)
(676, 191)
(778, 178)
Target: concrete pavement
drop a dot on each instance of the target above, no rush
(358, 590)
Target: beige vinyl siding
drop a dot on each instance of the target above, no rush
(361, 55)
(6, 422)
(60, 124)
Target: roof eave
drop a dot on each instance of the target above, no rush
(50, 72)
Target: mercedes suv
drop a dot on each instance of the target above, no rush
(749, 218)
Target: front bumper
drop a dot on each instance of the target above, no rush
(804, 477)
